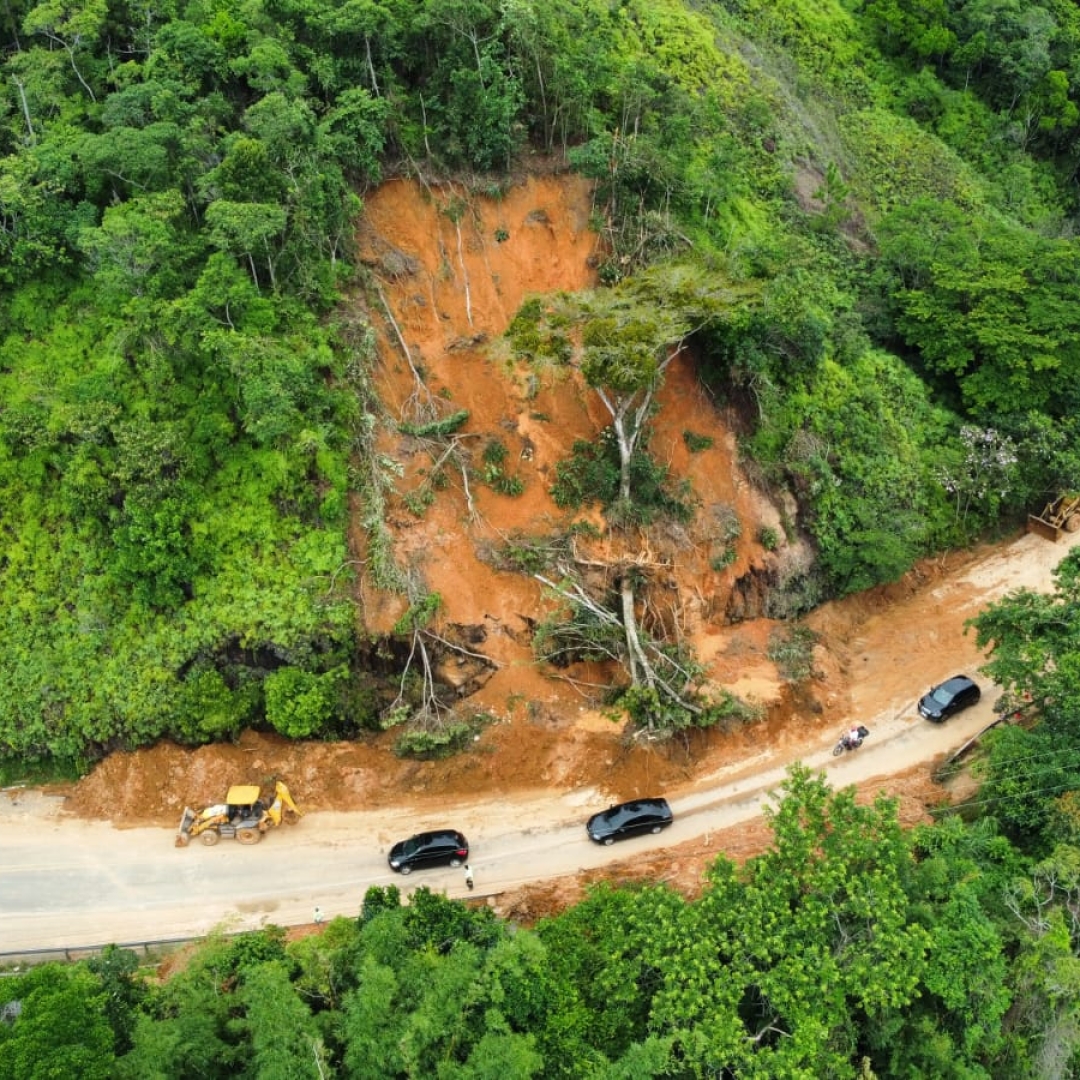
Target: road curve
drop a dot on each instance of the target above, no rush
(68, 883)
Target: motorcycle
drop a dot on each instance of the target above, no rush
(848, 742)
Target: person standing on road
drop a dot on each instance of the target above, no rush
(468, 877)
(318, 915)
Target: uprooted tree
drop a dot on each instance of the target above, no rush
(666, 691)
(629, 337)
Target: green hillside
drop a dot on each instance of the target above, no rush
(859, 217)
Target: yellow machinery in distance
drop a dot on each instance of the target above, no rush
(1061, 515)
(243, 815)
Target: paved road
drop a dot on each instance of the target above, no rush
(66, 883)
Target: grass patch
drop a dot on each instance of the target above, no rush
(791, 649)
(17, 771)
(696, 443)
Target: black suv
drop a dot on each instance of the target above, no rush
(941, 701)
(441, 847)
(629, 819)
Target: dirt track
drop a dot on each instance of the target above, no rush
(71, 882)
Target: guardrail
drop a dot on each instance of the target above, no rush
(72, 953)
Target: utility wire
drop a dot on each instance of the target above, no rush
(1056, 790)
(1004, 774)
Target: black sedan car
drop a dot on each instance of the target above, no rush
(941, 701)
(629, 819)
(441, 847)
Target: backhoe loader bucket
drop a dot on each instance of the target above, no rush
(183, 835)
(1060, 516)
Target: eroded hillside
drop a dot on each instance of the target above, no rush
(453, 269)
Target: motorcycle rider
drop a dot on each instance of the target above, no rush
(853, 738)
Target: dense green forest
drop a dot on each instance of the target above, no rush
(185, 403)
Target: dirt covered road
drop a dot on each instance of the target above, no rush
(74, 874)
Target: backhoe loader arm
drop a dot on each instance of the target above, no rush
(282, 801)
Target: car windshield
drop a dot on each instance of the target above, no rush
(942, 696)
(412, 846)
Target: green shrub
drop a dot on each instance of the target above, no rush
(695, 443)
(538, 335)
(433, 745)
(727, 529)
(300, 704)
(436, 429)
(791, 649)
(507, 485)
(530, 555)
(591, 475)
(417, 502)
(495, 453)
(724, 558)
(441, 740)
(665, 717)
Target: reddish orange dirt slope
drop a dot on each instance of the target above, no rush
(451, 269)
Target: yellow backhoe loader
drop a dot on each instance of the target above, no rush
(1060, 516)
(244, 814)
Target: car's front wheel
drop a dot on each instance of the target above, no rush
(608, 841)
(405, 869)
(655, 829)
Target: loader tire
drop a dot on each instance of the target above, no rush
(248, 836)
(210, 837)
(1072, 523)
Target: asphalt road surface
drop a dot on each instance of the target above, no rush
(68, 883)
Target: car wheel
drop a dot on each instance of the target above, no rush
(455, 863)
(406, 869)
(655, 829)
(608, 841)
